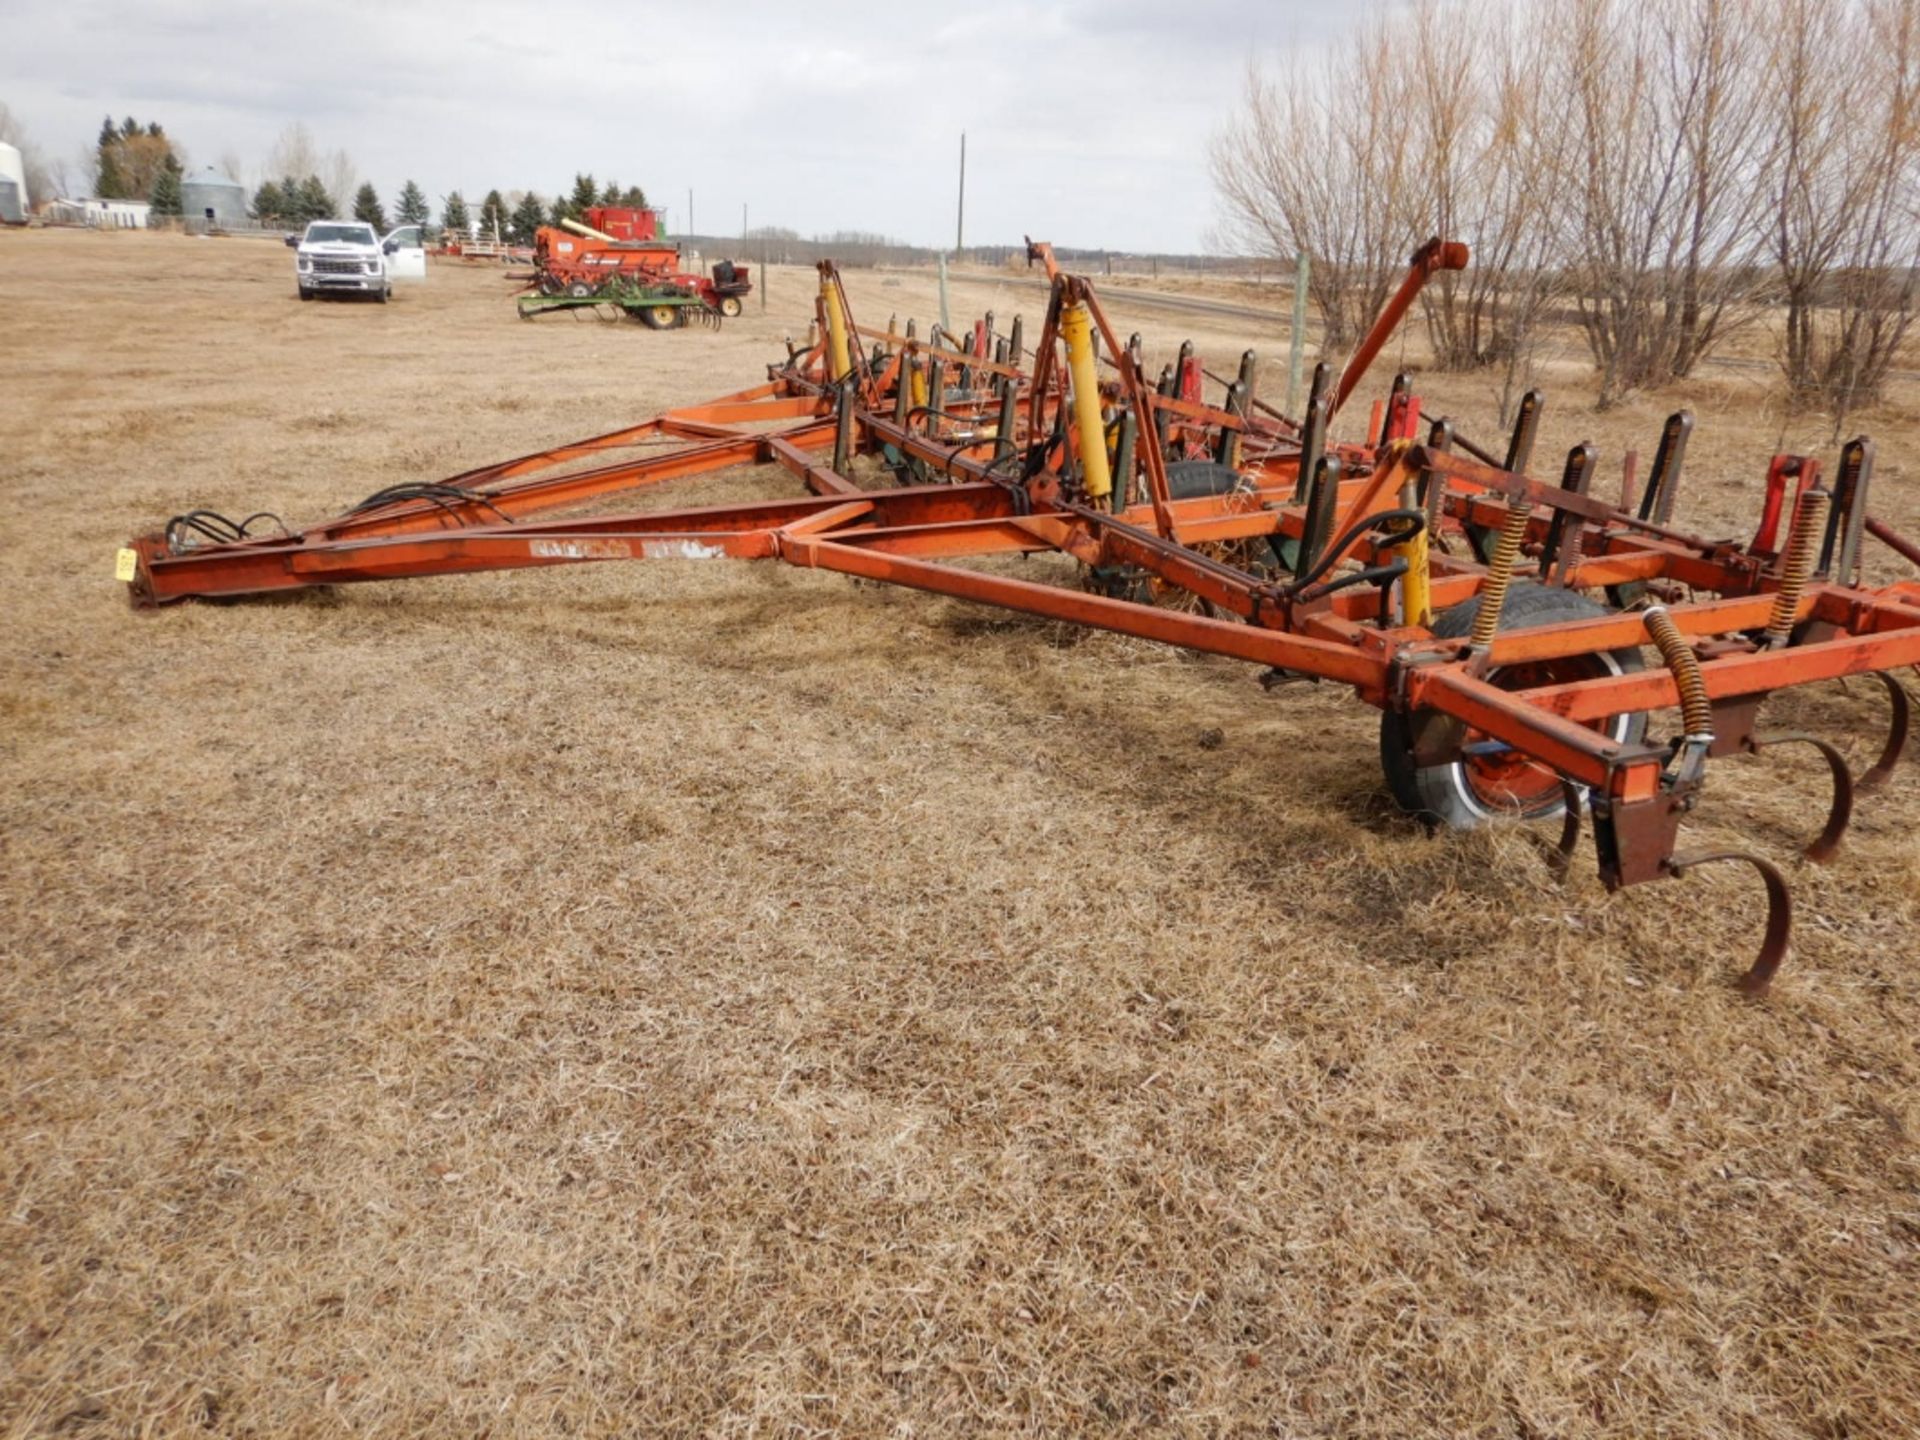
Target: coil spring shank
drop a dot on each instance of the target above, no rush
(1797, 565)
(1696, 710)
(1493, 594)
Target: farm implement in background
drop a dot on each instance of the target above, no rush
(1500, 622)
(629, 267)
(658, 304)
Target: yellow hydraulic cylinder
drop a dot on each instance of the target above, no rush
(1416, 586)
(837, 354)
(1076, 327)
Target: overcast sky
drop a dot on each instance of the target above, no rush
(1086, 122)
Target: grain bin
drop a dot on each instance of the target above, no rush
(13, 187)
(210, 201)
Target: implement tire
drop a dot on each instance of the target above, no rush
(1496, 784)
(1190, 479)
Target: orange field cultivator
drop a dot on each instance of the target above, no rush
(1506, 626)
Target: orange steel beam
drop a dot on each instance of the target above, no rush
(1727, 676)
(283, 565)
(1193, 632)
(1431, 258)
(1584, 755)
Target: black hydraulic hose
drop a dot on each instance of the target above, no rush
(1380, 574)
(443, 496)
(1412, 523)
(217, 527)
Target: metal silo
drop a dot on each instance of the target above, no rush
(13, 187)
(210, 201)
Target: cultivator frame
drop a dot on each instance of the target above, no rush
(1368, 549)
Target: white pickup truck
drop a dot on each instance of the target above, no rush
(345, 256)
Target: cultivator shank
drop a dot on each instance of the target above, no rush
(1449, 587)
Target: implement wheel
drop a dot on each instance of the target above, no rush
(580, 290)
(1188, 480)
(730, 306)
(1487, 780)
(660, 317)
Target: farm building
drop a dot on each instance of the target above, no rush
(100, 214)
(210, 201)
(13, 187)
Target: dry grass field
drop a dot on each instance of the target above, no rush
(724, 1000)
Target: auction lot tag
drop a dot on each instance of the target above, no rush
(126, 565)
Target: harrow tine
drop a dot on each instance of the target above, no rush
(1897, 731)
(1841, 811)
(1559, 855)
(1562, 860)
(1773, 945)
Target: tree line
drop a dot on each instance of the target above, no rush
(134, 161)
(515, 220)
(292, 203)
(1660, 173)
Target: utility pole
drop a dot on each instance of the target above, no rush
(960, 219)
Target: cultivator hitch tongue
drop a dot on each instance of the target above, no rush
(1499, 622)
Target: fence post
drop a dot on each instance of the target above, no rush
(1297, 342)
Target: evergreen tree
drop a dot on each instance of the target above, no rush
(494, 220)
(584, 195)
(528, 217)
(130, 158)
(559, 211)
(366, 207)
(453, 216)
(412, 205)
(635, 197)
(165, 195)
(314, 201)
(110, 184)
(270, 203)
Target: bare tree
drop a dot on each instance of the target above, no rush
(294, 153)
(1318, 162)
(85, 171)
(341, 177)
(1667, 165)
(1660, 177)
(1847, 214)
(1485, 172)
